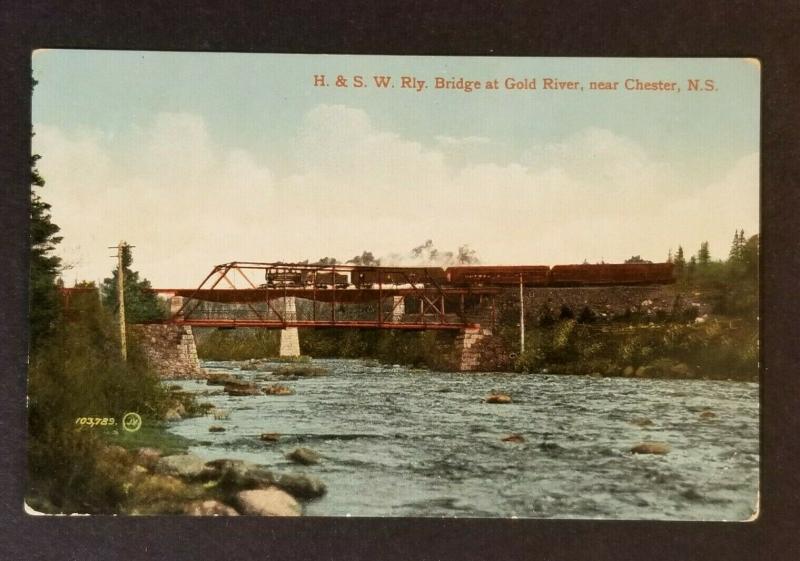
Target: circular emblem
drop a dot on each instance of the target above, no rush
(131, 422)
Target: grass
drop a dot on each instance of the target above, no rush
(151, 435)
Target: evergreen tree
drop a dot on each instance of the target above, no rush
(140, 303)
(44, 266)
(690, 269)
(704, 255)
(737, 247)
(679, 261)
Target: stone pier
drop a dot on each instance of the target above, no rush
(170, 350)
(478, 350)
(398, 308)
(290, 337)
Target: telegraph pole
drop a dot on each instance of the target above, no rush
(521, 318)
(121, 297)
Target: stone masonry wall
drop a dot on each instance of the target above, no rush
(477, 350)
(170, 349)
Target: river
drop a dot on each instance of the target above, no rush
(402, 442)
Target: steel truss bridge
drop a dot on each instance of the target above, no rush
(283, 295)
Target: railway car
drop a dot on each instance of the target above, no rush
(535, 275)
(428, 276)
(610, 274)
(280, 277)
(328, 279)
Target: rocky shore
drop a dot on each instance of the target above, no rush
(188, 484)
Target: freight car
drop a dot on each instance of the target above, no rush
(536, 275)
(611, 274)
(327, 279)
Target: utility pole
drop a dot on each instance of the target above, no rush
(121, 297)
(521, 318)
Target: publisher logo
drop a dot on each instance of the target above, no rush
(131, 422)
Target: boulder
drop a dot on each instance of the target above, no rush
(242, 389)
(518, 438)
(642, 422)
(270, 437)
(659, 448)
(305, 456)
(267, 502)
(302, 486)
(186, 466)
(628, 372)
(278, 389)
(497, 398)
(707, 415)
(172, 415)
(236, 475)
(147, 457)
(220, 379)
(216, 428)
(681, 370)
(210, 508)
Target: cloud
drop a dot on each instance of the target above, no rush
(167, 188)
(462, 140)
(188, 202)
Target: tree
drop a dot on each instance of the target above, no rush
(692, 267)
(44, 266)
(750, 255)
(327, 261)
(680, 260)
(737, 247)
(637, 259)
(704, 255)
(141, 304)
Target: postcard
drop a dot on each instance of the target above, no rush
(394, 286)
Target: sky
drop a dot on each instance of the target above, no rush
(198, 159)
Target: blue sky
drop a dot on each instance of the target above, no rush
(199, 158)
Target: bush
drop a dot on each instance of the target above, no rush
(78, 372)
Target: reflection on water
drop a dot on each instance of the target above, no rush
(403, 442)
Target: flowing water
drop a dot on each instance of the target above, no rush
(402, 442)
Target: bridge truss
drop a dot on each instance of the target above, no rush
(282, 295)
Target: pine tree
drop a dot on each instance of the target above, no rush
(140, 303)
(679, 261)
(704, 255)
(44, 266)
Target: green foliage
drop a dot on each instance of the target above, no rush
(80, 373)
(704, 255)
(44, 266)
(236, 344)
(140, 303)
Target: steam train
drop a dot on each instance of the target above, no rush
(467, 276)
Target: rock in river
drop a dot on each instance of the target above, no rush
(216, 428)
(651, 448)
(304, 456)
(242, 388)
(270, 437)
(301, 485)
(513, 438)
(267, 502)
(497, 398)
(278, 389)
